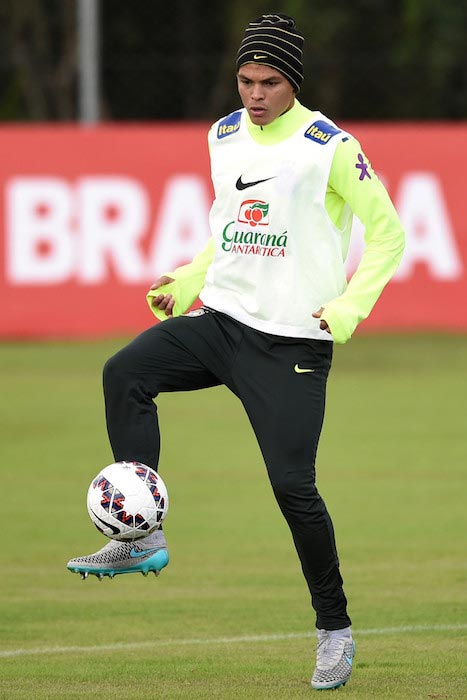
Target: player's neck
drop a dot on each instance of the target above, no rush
(281, 128)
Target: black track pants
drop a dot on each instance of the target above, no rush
(285, 406)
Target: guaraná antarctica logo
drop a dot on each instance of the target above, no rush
(253, 216)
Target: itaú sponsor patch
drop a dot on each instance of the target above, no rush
(321, 132)
(229, 125)
(250, 234)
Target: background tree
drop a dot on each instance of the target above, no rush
(38, 68)
(370, 59)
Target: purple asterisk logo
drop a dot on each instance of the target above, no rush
(363, 167)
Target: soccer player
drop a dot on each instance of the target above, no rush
(271, 279)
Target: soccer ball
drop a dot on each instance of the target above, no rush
(127, 501)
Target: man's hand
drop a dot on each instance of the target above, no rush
(164, 302)
(323, 325)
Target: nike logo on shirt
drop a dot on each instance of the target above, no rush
(243, 185)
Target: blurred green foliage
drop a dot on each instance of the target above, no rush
(369, 59)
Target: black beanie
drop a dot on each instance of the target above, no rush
(274, 40)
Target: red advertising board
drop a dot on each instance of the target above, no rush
(91, 216)
(422, 166)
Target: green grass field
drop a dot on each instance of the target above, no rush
(230, 616)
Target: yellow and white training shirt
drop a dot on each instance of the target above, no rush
(285, 195)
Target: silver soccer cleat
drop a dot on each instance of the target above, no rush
(123, 558)
(334, 659)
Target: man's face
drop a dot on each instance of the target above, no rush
(265, 93)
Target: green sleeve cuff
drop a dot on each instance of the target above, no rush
(184, 296)
(344, 313)
(188, 281)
